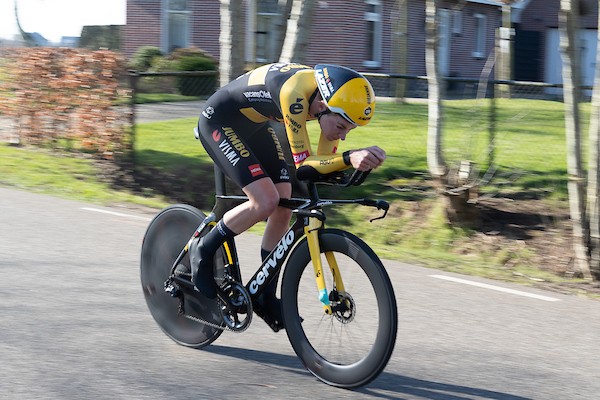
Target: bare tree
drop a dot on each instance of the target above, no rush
(435, 161)
(298, 31)
(284, 8)
(400, 46)
(454, 187)
(568, 16)
(593, 184)
(231, 41)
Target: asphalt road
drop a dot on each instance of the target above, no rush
(74, 325)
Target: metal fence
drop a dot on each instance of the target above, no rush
(493, 124)
(485, 121)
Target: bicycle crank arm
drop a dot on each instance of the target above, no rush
(186, 286)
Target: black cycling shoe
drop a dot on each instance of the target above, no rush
(202, 269)
(269, 309)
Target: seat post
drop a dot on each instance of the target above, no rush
(312, 192)
(220, 188)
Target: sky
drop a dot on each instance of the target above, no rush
(54, 19)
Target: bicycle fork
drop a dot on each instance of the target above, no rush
(312, 236)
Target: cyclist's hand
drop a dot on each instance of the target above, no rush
(368, 158)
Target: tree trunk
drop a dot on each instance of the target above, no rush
(567, 21)
(457, 193)
(231, 41)
(593, 184)
(435, 161)
(298, 29)
(284, 8)
(400, 47)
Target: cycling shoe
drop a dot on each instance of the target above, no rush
(202, 269)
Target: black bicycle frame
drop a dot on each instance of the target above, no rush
(276, 259)
(305, 210)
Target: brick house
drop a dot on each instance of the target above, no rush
(536, 49)
(360, 34)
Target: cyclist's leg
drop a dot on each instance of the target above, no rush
(237, 158)
(269, 151)
(268, 305)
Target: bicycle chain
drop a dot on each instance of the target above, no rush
(211, 324)
(223, 327)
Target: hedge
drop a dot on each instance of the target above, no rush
(67, 98)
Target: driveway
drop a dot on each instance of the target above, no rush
(154, 112)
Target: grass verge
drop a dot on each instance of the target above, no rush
(528, 151)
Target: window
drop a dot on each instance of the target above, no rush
(456, 22)
(177, 25)
(266, 19)
(265, 39)
(373, 18)
(480, 36)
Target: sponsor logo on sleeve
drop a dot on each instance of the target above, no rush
(299, 157)
(296, 108)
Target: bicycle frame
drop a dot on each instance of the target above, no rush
(309, 220)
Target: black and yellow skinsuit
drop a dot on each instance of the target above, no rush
(234, 125)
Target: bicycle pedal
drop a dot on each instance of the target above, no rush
(276, 326)
(172, 289)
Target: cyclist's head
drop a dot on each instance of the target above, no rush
(346, 92)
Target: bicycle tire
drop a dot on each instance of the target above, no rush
(165, 237)
(349, 354)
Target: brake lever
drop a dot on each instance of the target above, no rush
(380, 217)
(380, 205)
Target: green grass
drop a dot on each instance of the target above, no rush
(529, 149)
(529, 152)
(63, 175)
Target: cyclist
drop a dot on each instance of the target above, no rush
(234, 128)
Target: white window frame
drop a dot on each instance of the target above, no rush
(480, 32)
(374, 18)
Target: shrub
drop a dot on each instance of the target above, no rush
(193, 59)
(144, 58)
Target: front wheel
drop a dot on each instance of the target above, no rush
(353, 345)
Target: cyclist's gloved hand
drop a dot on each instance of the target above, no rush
(368, 158)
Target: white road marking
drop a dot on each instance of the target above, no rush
(492, 287)
(118, 214)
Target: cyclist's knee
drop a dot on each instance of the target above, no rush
(263, 196)
(265, 207)
(264, 202)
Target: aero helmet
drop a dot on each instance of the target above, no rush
(346, 92)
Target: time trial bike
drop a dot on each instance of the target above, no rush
(338, 304)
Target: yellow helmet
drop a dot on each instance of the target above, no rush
(346, 92)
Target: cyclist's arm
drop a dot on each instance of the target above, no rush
(327, 160)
